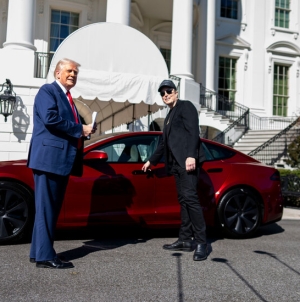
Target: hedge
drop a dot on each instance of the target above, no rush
(290, 180)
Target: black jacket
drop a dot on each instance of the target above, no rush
(180, 136)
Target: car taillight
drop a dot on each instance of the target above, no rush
(275, 176)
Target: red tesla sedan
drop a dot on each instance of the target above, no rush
(236, 191)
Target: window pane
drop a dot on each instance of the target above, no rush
(53, 44)
(54, 32)
(227, 81)
(55, 16)
(229, 9)
(282, 13)
(74, 19)
(73, 28)
(65, 18)
(64, 31)
(280, 90)
(284, 113)
(221, 61)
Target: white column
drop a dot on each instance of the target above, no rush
(118, 11)
(210, 44)
(20, 21)
(182, 38)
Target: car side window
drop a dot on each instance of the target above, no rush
(213, 152)
(135, 149)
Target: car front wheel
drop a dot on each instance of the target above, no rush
(16, 212)
(239, 213)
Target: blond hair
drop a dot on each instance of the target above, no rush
(61, 63)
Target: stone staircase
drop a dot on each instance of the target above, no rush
(213, 119)
(253, 139)
(275, 152)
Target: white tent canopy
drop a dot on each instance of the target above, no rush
(120, 72)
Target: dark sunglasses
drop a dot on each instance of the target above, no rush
(168, 91)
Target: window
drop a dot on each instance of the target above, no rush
(229, 9)
(227, 77)
(280, 90)
(167, 56)
(62, 24)
(282, 13)
(213, 152)
(133, 149)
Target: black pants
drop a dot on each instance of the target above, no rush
(192, 220)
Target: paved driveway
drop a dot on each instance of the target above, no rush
(131, 266)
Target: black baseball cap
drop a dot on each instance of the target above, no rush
(167, 83)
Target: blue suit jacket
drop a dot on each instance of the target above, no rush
(54, 143)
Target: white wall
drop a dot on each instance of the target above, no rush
(249, 39)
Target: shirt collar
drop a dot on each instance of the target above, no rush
(61, 86)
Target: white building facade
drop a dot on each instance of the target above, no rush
(245, 50)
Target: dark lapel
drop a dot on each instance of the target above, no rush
(171, 116)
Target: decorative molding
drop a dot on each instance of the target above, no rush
(233, 40)
(40, 8)
(270, 63)
(162, 34)
(284, 48)
(164, 28)
(90, 10)
(136, 14)
(243, 10)
(243, 26)
(4, 10)
(285, 30)
(195, 15)
(246, 56)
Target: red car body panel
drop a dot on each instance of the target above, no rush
(118, 193)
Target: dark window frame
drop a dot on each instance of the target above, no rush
(229, 9)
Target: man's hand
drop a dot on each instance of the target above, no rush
(190, 164)
(146, 166)
(88, 130)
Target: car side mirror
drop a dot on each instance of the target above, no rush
(96, 154)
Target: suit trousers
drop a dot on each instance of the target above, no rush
(192, 220)
(49, 194)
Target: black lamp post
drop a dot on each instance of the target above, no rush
(7, 99)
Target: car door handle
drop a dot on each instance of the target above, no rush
(141, 172)
(214, 170)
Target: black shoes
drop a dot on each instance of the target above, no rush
(55, 263)
(186, 246)
(200, 252)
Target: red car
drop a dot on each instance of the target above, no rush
(236, 191)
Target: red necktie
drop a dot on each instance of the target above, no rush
(75, 114)
(72, 105)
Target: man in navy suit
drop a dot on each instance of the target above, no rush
(56, 152)
(181, 148)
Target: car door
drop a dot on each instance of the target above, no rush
(212, 175)
(113, 191)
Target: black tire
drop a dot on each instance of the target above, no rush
(16, 212)
(239, 213)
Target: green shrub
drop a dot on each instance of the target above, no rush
(293, 186)
(284, 172)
